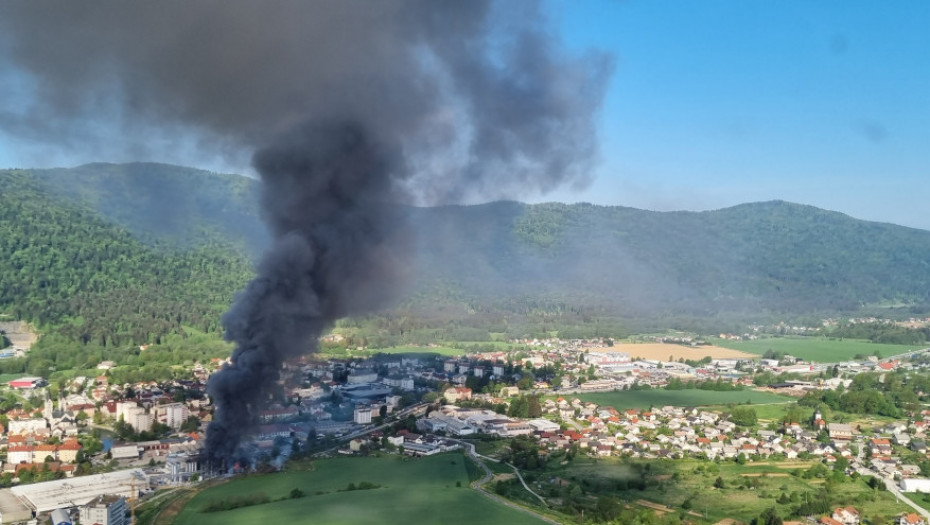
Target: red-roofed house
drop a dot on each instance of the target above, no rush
(19, 454)
(911, 519)
(846, 515)
(68, 451)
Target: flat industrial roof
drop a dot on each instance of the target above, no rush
(76, 491)
(12, 509)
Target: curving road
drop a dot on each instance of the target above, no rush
(488, 475)
(889, 483)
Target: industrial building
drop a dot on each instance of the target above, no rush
(180, 467)
(28, 382)
(74, 492)
(915, 485)
(105, 509)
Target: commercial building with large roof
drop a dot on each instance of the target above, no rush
(77, 491)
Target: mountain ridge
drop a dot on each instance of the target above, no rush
(503, 257)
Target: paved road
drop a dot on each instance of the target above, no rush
(488, 475)
(418, 409)
(892, 487)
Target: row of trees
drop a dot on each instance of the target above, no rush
(890, 394)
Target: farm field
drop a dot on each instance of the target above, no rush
(691, 397)
(817, 349)
(411, 491)
(662, 351)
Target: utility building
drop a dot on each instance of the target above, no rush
(107, 509)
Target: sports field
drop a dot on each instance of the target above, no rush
(645, 398)
(411, 491)
(817, 349)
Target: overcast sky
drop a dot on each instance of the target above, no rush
(717, 103)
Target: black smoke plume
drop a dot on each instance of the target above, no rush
(328, 200)
(346, 107)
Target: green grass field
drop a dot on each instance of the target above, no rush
(673, 483)
(6, 378)
(817, 349)
(646, 398)
(411, 491)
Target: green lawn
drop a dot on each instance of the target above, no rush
(412, 491)
(817, 349)
(657, 397)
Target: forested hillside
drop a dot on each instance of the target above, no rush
(183, 206)
(116, 255)
(70, 272)
(773, 256)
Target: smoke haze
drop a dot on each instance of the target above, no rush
(346, 108)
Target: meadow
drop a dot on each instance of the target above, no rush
(691, 397)
(427, 490)
(816, 349)
(688, 485)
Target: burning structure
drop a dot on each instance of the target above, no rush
(347, 108)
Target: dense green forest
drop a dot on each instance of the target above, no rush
(109, 257)
(76, 275)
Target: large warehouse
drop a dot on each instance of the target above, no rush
(27, 382)
(72, 492)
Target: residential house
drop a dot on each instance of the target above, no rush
(454, 394)
(840, 431)
(911, 519)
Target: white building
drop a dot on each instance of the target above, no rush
(362, 375)
(20, 454)
(134, 415)
(125, 452)
(404, 383)
(105, 510)
(173, 415)
(362, 415)
(27, 426)
(915, 485)
(544, 425)
(49, 495)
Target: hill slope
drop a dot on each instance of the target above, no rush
(185, 206)
(176, 237)
(68, 269)
(773, 256)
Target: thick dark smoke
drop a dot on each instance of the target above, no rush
(349, 106)
(327, 198)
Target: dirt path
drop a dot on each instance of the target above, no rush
(662, 508)
(166, 515)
